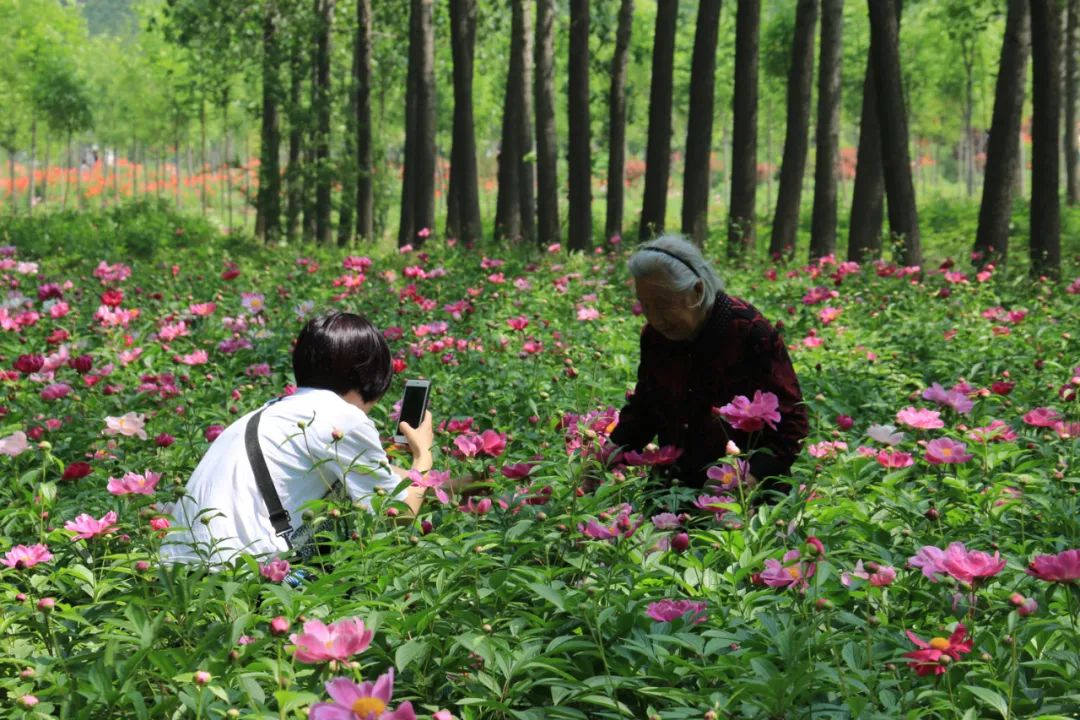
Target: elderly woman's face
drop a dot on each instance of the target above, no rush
(675, 315)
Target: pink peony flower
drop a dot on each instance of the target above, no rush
(85, 526)
(276, 570)
(518, 323)
(729, 476)
(714, 504)
(476, 507)
(1063, 567)
(893, 459)
(134, 484)
(1042, 417)
(920, 419)
(337, 641)
(878, 575)
(651, 457)
(1024, 606)
(666, 521)
(212, 432)
(970, 566)
(668, 610)
(363, 701)
(929, 559)
(130, 424)
(435, 479)
(22, 556)
(751, 415)
(199, 357)
(56, 391)
(787, 572)
(996, 431)
(945, 451)
(958, 401)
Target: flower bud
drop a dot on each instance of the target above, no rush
(202, 677)
(46, 604)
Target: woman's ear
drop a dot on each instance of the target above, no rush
(699, 290)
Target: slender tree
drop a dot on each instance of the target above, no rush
(617, 122)
(547, 182)
(508, 208)
(579, 160)
(1002, 153)
(827, 160)
(268, 202)
(799, 90)
(365, 168)
(324, 14)
(1045, 245)
(294, 172)
(742, 209)
(1072, 100)
(868, 195)
(892, 115)
(658, 149)
(526, 148)
(697, 187)
(463, 198)
(418, 186)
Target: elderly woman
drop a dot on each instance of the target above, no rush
(700, 349)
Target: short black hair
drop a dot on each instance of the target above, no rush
(343, 351)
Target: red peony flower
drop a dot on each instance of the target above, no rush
(934, 657)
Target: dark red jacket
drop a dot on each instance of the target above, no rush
(679, 383)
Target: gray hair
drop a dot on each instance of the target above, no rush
(679, 262)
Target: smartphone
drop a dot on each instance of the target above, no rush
(413, 405)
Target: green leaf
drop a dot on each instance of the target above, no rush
(408, 652)
(989, 697)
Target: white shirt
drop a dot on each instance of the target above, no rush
(303, 463)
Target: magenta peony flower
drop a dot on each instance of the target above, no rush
(788, 571)
(86, 527)
(1024, 606)
(1063, 567)
(945, 451)
(434, 479)
(275, 571)
(212, 432)
(661, 456)
(134, 484)
(996, 431)
(23, 556)
(1042, 417)
(934, 657)
(954, 399)
(56, 391)
(337, 641)
(876, 575)
(920, 418)
(363, 701)
(668, 610)
(714, 504)
(751, 415)
(929, 560)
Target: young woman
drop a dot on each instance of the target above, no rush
(246, 494)
(700, 349)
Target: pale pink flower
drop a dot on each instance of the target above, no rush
(129, 424)
(337, 641)
(929, 559)
(23, 556)
(199, 357)
(435, 479)
(86, 526)
(585, 313)
(876, 575)
(788, 571)
(941, 451)
(996, 431)
(751, 415)
(253, 302)
(668, 610)
(134, 484)
(14, 445)
(885, 434)
(202, 309)
(920, 418)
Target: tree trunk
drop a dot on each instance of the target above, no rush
(1003, 151)
(176, 155)
(697, 187)
(892, 114)
(658, 150)
(228, 164)
(868, 195)
(324, 12)
(742, 207)
(464, 196)
(33, 166)
(48, 160)
(348, 172)
(827, 157)
(202, 155)
(526, 150)
(1072, 100)
(294, 175)
(800, 88)
(508, 208)
(1045, 126)
(424, 204)
(579, 159)
(67, 174)
(268, 203)
(406, 229)
(365, 198)
(616, 176)
(547, 177)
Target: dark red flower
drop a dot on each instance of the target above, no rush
(82, 364)
(164, 440)
(112, 297)
(29, 363)
(76, 471)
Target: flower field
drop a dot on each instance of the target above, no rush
(926, 566)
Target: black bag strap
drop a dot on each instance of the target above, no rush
(279, 516)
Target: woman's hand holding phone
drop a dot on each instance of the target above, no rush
(420, 440)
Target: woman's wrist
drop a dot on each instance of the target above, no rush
(422, 462)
